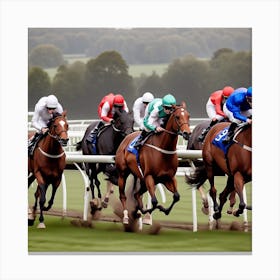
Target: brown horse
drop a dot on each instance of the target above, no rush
(158, 162)
(195, 144)
(47, 164)
(236, 163)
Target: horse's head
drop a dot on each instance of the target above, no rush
(58, 128)
(123, 122)
(179, 121)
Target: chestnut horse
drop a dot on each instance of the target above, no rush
(236, 162)
(47, 163)
(158, 162)
(195, 144)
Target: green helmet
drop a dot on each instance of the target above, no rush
(168, 100)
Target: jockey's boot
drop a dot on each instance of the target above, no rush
(205, 131)
(32, 143)
(230, 133)
(93, 134)
(138, 144)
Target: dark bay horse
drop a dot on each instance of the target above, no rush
(47, 165)
(108, 141)
(158, 162)
(195, 144)
(236, 163)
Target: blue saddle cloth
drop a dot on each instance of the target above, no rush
(131, 148)
(218, 140)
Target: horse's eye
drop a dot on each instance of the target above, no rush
(177, 117)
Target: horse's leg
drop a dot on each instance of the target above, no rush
(171, 185)
(138, 196)
(213, 194)
(238, 185)
(223, 196)
(42, 190)
(31, 178)
(150, 186)
(205, 206)
(54, 189)
(32, 214)
(232, 201)
(110, 190)
(121, 183)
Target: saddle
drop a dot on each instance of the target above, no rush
(218, 140)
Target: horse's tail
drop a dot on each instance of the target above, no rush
(198, 177)
(79, 146)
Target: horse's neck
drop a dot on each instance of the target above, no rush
(108, 140)
(49, 144)
(245, 136)
(165, 140)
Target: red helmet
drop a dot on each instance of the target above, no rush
(118, 100)
(227, 91)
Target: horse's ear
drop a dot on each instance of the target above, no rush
(183, 104)
(64, 113)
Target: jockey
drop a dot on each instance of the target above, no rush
(45, 108)
(156, 116)
(139, 108)
(238, 109)
(106, 110)
(214, 108)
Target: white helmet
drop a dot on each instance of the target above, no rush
(147, 97)
(51, 102)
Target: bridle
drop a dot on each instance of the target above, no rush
(56, 135)
(179, 125)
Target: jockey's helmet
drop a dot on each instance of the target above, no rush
(168, 100)
(227, 91)
(147, 97)
(51, 102)
(118, 100)
(249, 92)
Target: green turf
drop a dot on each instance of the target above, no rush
(61, 236)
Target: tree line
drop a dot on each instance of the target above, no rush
(141, 45)
(80, 86)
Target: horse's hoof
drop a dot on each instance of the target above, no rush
(218, 224)
(41, 226)
(229, 211)
(31, 222)
(205, 210)
(217, 215)
(235, 213)
(125, 221)
(105, 203)
(147, 219)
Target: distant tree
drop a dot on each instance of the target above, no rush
(187, 79)
(231, 68)
(68, 84)
(107, 73)
(46, 56)
(39, 84)
(152, 83)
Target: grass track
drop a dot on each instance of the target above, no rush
(61, 236)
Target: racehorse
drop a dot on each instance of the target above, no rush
(47, 163)
(108, 140)
(157, 162)
(195, 144)
(236, 162)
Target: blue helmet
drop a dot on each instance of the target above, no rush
(249, 92)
